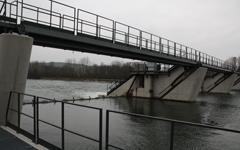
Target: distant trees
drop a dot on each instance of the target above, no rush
(79, 71)
(235, 62)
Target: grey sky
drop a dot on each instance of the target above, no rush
(211, 26)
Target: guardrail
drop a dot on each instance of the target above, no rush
(171, 122)
(15, 99)
(79, 21)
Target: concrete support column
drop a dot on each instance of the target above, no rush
(189, 88)
(15, 52)
(236, 85)
(220, 83)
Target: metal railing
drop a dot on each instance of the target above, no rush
(172, 122)
(36, 120)
(98, 26)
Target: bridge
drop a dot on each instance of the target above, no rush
(23, 25)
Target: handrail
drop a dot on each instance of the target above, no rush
(172, 122)
(35, 136)
(130, 36)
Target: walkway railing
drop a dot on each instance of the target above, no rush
(81, 22)
(14, 121)
(172, 123)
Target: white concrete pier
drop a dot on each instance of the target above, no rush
(180, 84)
(15, 52)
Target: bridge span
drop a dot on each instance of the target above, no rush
(23, 25)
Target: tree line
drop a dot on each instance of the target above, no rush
(80, 71)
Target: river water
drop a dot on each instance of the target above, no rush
(130, 132)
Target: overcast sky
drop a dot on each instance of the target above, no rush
(211, 26)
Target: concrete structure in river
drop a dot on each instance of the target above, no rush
(15, 52)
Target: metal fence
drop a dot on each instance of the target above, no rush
(172, 123)
(82, 22)
(15, 99)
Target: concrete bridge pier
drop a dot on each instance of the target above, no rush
(15, 52)
(179, 84)
(219, 83)
(236, 85)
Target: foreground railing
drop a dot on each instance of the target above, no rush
(14, 121)
(172, 124)
(81, 22)
(15, 115)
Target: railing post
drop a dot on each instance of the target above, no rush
(151, 42)
(19, 114)
(51, 13)
(187, 52)
(100, 128)
(107, 130)
(160, 45)
(168, 46)
(37, 14)
(195, 55)
(74, 22)
(172, 136)
(181, 51)
(34, 120)
(114, 32)
(21, 12)
(37, 118)
(62, 128)
(9, 100)
(128, 34)
(175, 48)
(77, 19)
(140, 40)
(97, 26)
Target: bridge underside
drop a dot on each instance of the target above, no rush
(63, 39)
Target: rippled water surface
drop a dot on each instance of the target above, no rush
(131, 132)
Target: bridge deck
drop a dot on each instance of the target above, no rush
(101, 35)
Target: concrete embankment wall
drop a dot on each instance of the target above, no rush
(15, 52)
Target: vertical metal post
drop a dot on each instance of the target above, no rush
(77, 19)
(9, 100)
(74, 22)
(195, 55)
(96, 25)
(199, 56)
(140, 40)
(175, 48)
(51, 13)
(107, 130)
(151, 41)
(146, 44)
(34, 120)
(62, 132)
(37, 118)
(21, 11)
(187, 52)
(172, 136)
(100, 128)
(180, 50)
(160, 45)
(168, 47)
(19, 114)
(5, 8)
(114, 32)
(128, 35)
(37, 14)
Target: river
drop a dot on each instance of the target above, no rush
(131, 132)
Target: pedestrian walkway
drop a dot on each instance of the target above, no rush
(9, 141)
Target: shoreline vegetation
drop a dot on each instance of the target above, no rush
(81, 71)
